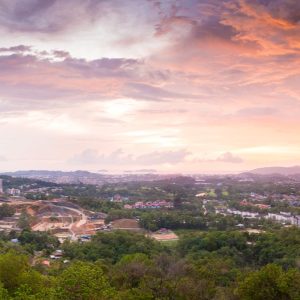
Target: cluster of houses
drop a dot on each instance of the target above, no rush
(118, 198)
(292, 200)
(244, 214)
(282, 217)
(13, 192)
(150, 205)
(258, 205)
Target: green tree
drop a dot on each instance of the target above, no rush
(24, 220)
(39, 240)
(271, 283)
(84, 281)
(130, 270)
(3, 293)
(12, 268)
(6, 211)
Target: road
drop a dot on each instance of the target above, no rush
(73, 225)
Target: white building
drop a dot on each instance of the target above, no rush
(13, 192)
(244, 214)
(284, 217)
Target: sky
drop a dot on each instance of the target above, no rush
(190, 86)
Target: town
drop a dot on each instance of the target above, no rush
(77, 211)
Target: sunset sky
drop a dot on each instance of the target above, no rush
(178, 86)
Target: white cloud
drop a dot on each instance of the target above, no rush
(118, 157)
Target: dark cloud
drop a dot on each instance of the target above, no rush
(61, 54)
(46, 16)
(116, 67)
(245, 26)
(285, 9)
(202, 18)
(16, 62)
(19, 48)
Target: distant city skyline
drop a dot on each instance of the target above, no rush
(177, 86)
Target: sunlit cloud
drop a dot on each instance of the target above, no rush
(210, 83)
(269, 150)
(59, 123)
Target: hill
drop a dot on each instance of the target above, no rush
(277, 170)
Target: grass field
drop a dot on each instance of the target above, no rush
(181, 232)
(171, 243)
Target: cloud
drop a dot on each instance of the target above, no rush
(256, 112)
(47, 16)
(43, 77)
(19, 48)
(118, 157)
(141, 171)
(36, 76)
(214, 32)
(166, 157)
(156, 158)
(147, 91)
(3, 158)
(215, 72)
(273, 28)
(228, 157)
(61, 54)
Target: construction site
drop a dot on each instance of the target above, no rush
(58, 217)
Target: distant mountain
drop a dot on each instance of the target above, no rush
(28, 173)
(85, 177)
(60, 176)
(277, 170)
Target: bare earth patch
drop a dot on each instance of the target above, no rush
(129, 224)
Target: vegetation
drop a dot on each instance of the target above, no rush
(122, 265)
(6, 211)
(214, 258)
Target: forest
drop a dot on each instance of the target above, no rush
(214, 264)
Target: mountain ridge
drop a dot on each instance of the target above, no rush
(276, 170)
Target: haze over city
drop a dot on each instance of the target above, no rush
(177, 86)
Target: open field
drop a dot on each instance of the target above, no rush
(127, 224)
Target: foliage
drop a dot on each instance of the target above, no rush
(84, 281)
(123, 265)
(155, 220)
(24, 220)
(112, 246)
(6, 211)
(38, 240)
(271, 283)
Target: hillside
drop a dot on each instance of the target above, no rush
(277, 170)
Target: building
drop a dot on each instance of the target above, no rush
(285, 218)
(13, 192)
(118, 198)
(150, 205)
(1, 186)
(243, 214)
